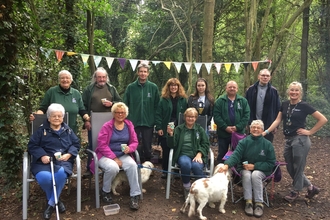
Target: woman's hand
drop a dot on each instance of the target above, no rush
(64, 157)
(118, 162)
(126, 151)
(45, 159)
(248, 166)
(170, 130)
(224, 168)
(160, 132)
(198, 158)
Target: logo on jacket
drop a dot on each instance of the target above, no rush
(239, 105)
(149, 95)
(262, 153)
(197, 135)
(74, 100)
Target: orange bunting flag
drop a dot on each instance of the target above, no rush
(255, 65)
(59, 55)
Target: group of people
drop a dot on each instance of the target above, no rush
(259, 109)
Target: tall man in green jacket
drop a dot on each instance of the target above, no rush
(142, 97)
(231, 113)
(99, 96)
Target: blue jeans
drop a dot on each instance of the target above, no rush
(44, 179)
(187, 165)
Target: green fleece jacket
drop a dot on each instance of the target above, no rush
(164, 111)
(200, 142)
(88, 92)
(221, 115)
(142, 102)
(256, 150)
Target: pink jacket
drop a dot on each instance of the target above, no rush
(104, 137)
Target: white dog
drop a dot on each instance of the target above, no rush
(121, 177)
(213, 189)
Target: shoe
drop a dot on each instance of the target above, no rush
(177, 174)
(292, 196)
(106, 197)
(313, 192)
(248, 209)
(259, 210)
(134, 204)
(186, 192)
(87, 174)
(164, 176)
(61, 206)
(48, 212)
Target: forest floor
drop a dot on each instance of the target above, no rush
(155, 206)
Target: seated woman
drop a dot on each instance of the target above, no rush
(51, 137)
(112, 156)
(255, 159)
(191, 147)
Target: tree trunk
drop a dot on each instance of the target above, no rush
(304, 45)
(90, 35)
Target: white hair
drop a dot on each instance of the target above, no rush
(55, 107)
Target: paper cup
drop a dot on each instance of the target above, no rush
(171, 124)
(58, 155)
(123, 147)
(103, 100)
(245, 162)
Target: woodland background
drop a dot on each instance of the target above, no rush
(293, 34)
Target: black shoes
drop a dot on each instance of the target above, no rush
(61, 207)
(106, 197)
(48, 212)
(134, 203)
(313, 192)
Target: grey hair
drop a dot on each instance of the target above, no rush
(99, 69)
(295, 83)
(66, 72)
(192, 110)
(257, 122)
(119, 105)
(55, 107)
(144, 65)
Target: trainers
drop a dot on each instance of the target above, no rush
(292, 196)
(185, 192)
(134, 203)
(313, 192)
(259, 210)
(248, 209)
(106, 197)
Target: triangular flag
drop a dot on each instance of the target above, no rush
(208, 67)
(255, 65)
(227, 67)
(133, 64)
(218, 67)
(236, 65)
(245, 65)
(144, 61)
(168, 64)
(46, 51)
(187, 65)
(70, 53)
(198, 67)
(59, 55)
(155, 62)
(84, 58)
(122, 62)
(109, 61)
(177, 66)
(97, 60)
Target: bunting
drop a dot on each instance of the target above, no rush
(134, 62)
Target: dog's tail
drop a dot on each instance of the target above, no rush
(192, 204)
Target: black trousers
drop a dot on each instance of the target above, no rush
(144, 135)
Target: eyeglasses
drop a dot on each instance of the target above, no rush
(265, 75)
(120, 113)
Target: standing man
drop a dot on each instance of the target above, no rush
(264, 101)
(231, 113)
(99, 96)
(142, 97)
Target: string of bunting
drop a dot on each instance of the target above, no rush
(133, 62)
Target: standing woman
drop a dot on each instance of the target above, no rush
(202, 99)
(294, 113)
(173, 101)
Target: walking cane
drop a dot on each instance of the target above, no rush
(54, 188)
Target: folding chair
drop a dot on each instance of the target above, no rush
(29, 178)
(97, 121)
(208, 169)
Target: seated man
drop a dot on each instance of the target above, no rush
(255, 159)
(191, 147)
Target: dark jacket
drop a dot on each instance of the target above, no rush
(164, 110)
(142, 102)
(200, 142)
(221, 115)
(88, 92)
(46, 141)
(256, 150)
(208, 108)
(271, 106)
